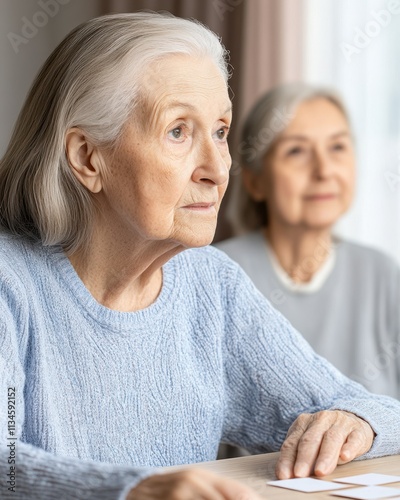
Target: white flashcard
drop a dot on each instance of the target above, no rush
(369, 493)
(307, 484)
(369, 479)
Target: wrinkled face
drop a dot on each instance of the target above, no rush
(170, 170)
(308, 180)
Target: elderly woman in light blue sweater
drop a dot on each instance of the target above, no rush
(119, 351)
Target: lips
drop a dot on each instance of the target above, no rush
(321, 197)
(200, 206)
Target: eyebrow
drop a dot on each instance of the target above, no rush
(304, 138)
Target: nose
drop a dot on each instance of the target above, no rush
(322, 164)
(213, 163)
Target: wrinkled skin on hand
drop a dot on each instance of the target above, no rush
(317, 443)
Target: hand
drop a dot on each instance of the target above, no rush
(190, 484)
(317, 443)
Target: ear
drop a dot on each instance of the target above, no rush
(85, 159)
(254, 184)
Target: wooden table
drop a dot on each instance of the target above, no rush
(256, 470)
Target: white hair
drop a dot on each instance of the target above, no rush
(92, 80)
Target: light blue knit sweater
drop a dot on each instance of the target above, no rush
(102, 395)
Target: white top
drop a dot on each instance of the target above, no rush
(316, 281)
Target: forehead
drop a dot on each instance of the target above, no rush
(317, 114)
(180, 80)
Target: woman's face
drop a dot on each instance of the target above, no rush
(308, 180)
(170, 170)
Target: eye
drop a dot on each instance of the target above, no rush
(222, 133)
(339, 147)
(294, 151)
(176, 133)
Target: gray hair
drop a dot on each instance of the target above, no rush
(92, 80)
(268, 118)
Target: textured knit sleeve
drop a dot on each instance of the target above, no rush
(26, 471)
(394, 319)
(272, 375)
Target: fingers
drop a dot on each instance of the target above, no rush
(174, 486)
(287, 459)
(191, 484)
(350, 448)
(234, 490)
(358, 442)
(317, 443)
(331, 447)
(320, 445)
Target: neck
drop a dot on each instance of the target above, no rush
(124, 275)
(300, 252)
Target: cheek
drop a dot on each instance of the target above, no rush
(157, 202)
(348, 180)
(288, 188)
(155, 182)
(221, 193)
(226, 156)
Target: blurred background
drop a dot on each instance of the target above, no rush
(351, 45)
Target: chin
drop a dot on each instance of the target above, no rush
(198, 240)
(322, 224)
(198, 243)
(323, 221)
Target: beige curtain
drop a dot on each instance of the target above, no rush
(264, 38)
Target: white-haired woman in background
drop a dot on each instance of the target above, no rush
(298, 161)
(120, 352)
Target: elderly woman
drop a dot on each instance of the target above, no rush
(298, 171)
(119, 352)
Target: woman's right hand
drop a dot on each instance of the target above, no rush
(190, 484)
